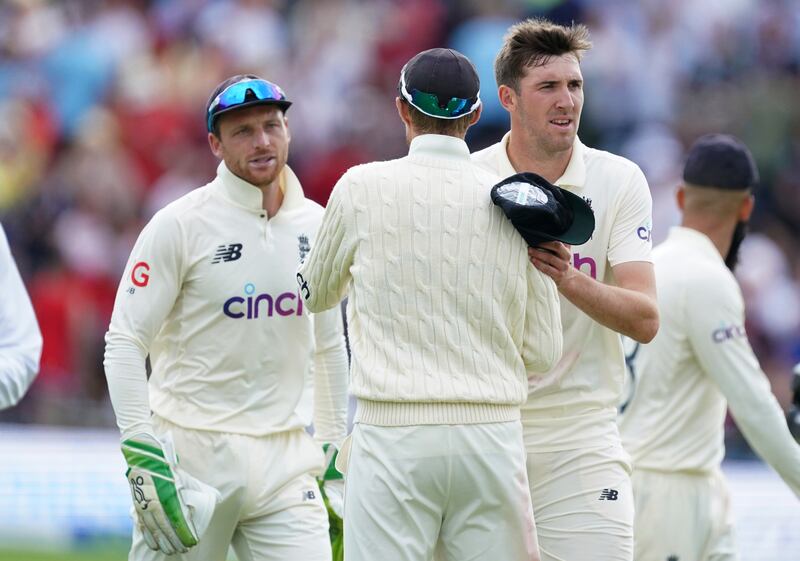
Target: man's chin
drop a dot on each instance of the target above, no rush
(561, 144)
(263, 180)
(259, 178)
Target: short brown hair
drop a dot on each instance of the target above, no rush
(532, 43)
(425, 124)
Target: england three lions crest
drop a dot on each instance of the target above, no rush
(303, 247)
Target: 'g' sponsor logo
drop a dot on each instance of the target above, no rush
(139, 274)
(728, 332)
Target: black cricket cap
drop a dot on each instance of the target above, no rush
(441, 83)
(542, 212)
(721, 161)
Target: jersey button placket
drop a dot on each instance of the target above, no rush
(267, 228)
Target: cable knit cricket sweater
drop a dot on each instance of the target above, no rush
(445, 312)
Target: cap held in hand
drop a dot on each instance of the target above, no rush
(541, 211)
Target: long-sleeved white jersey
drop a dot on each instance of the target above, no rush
(445, 311)
(20, 339)
(575, 404)
(699, 364)
(210, 293)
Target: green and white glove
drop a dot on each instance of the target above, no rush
(173, 508)
(332, 486)
(332, 482)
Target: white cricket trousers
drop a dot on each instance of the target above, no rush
(683, 516)
(459, 490)
(583, 503)
(271, 508)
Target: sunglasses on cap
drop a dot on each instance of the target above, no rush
(247, 92)
(429, 104)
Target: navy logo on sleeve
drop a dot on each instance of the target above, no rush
(644, 232)
(727, 332)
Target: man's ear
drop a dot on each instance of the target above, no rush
(508, 97)
(476, 115)
(747, 208)
(215, 144)
(402, 110)
(680, 197)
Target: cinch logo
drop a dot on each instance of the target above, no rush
(645, 231)
(139, 275)
(578, 262)
(730, 332)
(251, 306)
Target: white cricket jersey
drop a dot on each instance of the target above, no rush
(575, 404)
(445, 312)
(210, 292)
(699, 364)
(20, 339)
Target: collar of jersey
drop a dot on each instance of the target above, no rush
(697, 240)
(574, 176)
(245, 194)
(439, 145)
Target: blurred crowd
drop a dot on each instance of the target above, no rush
(101, 124)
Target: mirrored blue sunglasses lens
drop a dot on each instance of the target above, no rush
(242, 92)
(238, 93)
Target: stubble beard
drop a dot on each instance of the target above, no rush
(259, 180)
(548, 146)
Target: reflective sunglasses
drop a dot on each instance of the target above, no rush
(244, 92)
(429, 103)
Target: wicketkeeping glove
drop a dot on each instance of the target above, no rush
(332, 486)
(172, 507)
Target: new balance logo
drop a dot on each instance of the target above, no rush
(230, 252)
(309, 495)
(609, 495)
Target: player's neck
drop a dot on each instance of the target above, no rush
(718, 231)
(525, 156)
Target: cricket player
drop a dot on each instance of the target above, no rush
(445, 315)
(210, 293)
(20, 339)
(578, 471)
(699, 364)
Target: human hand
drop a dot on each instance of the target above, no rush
(554, 259)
